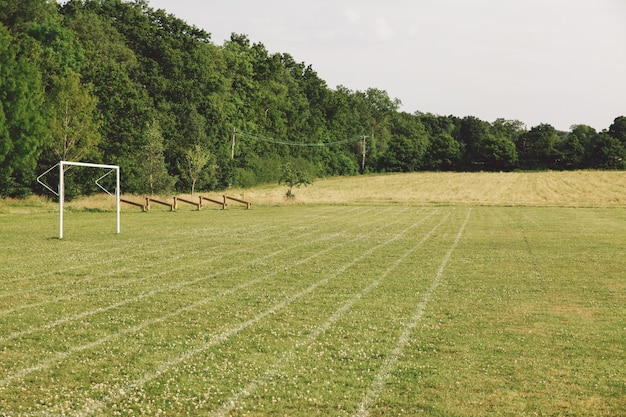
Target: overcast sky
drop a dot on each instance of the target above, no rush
(561, 62)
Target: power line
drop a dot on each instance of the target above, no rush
(309, 144)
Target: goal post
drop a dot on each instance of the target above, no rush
(61, 190)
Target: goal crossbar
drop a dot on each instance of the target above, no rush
(61, 190)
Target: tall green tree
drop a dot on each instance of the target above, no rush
(23, 130)
(375, 109)
(575, 148)
(539, 148)
(607, 152)
(406, 151)
(197, 159)
(17, 15)
(471, 132)
(444, 152)
(618, 129)
(124, 107)
(496, 153)
(74, 127)
(153, 173)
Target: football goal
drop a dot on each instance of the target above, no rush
(61, 188)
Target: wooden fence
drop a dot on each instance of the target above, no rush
(184, 200)
(163, 203)
(239, 200)
(133, 203)
(199, 205)
(211, 200)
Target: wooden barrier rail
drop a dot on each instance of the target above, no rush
(224, 204)
(143, 206)
(221, 203)
(193, 203)
(148, 200)
(247, 203)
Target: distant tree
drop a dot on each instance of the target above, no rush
(510, 129)
(607, 152)
(293, 176)
(154, 174)
(19, 14)
(23, 130)
(436, 124)
(336, 162)
(576, 147)
(405, 152)
(74, 128)
(443, 153)
(496, 153)
(195, 160)
(618, 129)
(472, 130)
(375, 111)
(539, 148)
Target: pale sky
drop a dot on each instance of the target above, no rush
(561, 62)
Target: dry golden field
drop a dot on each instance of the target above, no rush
(568, 189)
(538, 189)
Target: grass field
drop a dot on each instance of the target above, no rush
(374, 306)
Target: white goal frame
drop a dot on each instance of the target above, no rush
(61, 191)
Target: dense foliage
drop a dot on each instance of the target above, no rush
(122, 83)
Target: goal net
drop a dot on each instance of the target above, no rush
(61, 189)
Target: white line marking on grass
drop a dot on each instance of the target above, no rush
(85, 264)
(390, 361)
(221, 337)
(61, 356)
(117, 260)
(134, 329)
(81, 266)
(118, 284)
(155, 291)
(143, 295)
(27, 263)
(290, 355)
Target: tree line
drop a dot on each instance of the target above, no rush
(121, 83)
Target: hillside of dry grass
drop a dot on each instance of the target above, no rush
(573, 188)
(553, 189)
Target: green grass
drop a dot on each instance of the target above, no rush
(361, 309)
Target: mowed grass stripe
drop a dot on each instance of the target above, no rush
(90, 345)
(74, 263)
(147, 281)
(42, 231)
(290, 355)
(160, 320)
(157, 257)
(19, 271)
(391, 360)
(125, 247)
(138, 230)
(138, 328)
(216, 339)
(331, 372)
(140, 281)
(143, 276)
(265, 341)
(514, 332)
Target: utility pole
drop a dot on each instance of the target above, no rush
(363, 152)
(232, 143)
